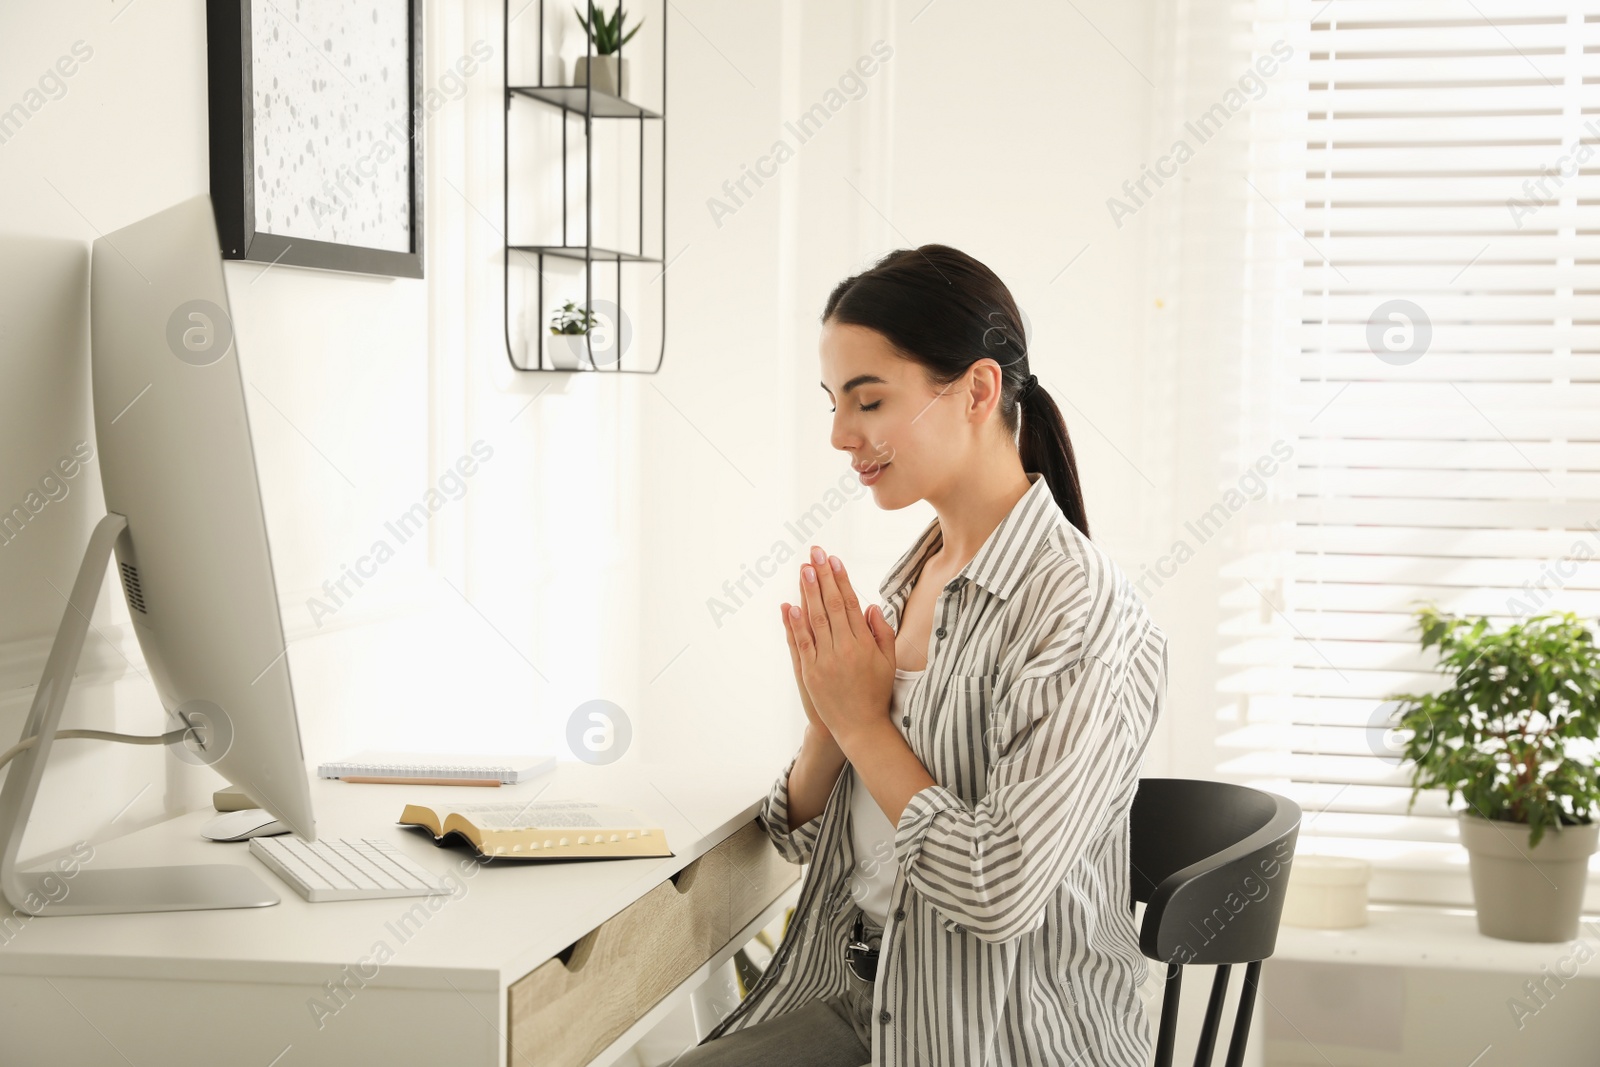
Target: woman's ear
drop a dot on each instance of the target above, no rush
(985, 380)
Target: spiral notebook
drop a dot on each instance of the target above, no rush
(413, 766)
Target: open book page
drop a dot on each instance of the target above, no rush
(551, 829)
(546, 815)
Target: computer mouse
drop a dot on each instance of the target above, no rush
(238, 825)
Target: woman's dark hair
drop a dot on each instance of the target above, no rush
(943, 309)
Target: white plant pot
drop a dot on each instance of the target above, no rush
(1327, 892)
(607, 78)
(570, 351)
(1522, 893)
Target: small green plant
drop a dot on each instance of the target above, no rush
(570, 318)
(1499, 734)
(607, 36)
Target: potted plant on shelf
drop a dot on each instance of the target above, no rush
(569, 348)
(605, 71)
(1514, 735)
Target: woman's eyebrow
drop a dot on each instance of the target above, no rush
(860, 379)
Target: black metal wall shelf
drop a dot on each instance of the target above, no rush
(586, 252)
(589, 104)
(600, 105)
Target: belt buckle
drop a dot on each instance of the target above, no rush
(860, 956)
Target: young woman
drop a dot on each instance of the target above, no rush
(972, 747)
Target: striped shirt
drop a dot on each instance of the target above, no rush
(1010, 939)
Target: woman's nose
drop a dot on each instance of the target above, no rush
(842, 438)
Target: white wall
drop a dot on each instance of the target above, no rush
(581, 562)
(944, 146)
(336, 367)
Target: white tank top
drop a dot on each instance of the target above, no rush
(870, 830)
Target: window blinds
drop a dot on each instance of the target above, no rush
(1447, 391)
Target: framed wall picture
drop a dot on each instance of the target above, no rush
(316, 145)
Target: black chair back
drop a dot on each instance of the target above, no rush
(1210, 863)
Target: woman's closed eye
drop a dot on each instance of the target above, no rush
(864, 407)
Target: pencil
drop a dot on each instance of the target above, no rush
(388, 780)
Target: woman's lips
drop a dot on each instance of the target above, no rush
(873, 473)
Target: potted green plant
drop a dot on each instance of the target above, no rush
(607, 71)
(1513, 735)
(569, 347)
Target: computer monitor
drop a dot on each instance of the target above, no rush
(186, 524)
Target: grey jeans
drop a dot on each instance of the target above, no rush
(832, 1031)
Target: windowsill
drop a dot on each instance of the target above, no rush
(1410, 935)
(1429, 874)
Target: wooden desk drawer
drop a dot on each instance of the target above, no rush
(755, 874)
(566, 1011)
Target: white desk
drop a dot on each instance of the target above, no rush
(238, 987)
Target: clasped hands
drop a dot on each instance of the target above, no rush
(844, 658)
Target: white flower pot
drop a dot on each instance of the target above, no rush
(570, 351)
(607, 79)
(1522, 893)
(1326, 892)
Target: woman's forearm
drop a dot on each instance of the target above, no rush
(813, 776)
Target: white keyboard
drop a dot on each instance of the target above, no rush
(337, 868)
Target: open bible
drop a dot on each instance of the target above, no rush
(543, 829)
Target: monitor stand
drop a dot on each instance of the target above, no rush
(91, 891)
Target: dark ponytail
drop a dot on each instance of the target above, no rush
(945, 310)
